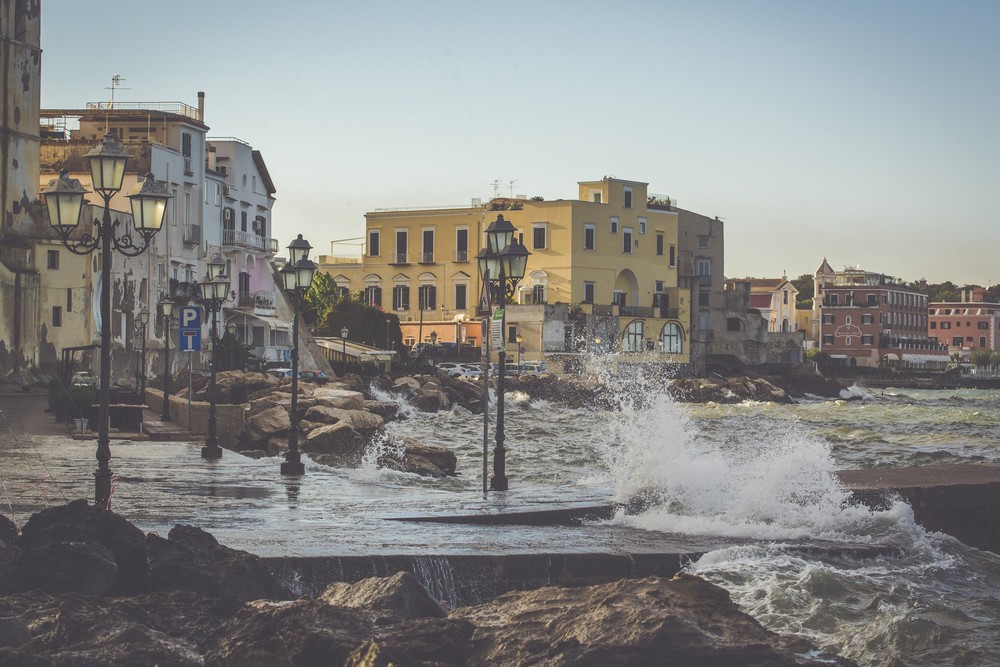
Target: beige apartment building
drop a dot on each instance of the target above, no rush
(602, 270)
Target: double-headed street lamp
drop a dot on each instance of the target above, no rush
(64, 200)
(296, 276)
(141, 322)
(502, 264)
(215, 292)
(167, 309)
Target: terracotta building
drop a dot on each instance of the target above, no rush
(966, 325)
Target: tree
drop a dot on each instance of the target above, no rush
(321, 298)
(807, 289)
(981, 357)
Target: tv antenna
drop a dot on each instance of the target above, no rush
(510, 188)
(116, 84)
(496, 188)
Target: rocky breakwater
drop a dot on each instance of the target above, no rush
(341, 424)
(82, 586)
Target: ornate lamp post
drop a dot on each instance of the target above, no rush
(64, 200)
(214, 293)
(505, 258)
(231, 334)
(519, 341)
(297, 277)
(343, 354)
(141, 322)
(167, 308)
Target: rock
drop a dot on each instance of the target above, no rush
(339, 398)
(684, 620)
(80, 522)
(422, 459)
(88, 568)
(400, 594)
(190, 559)
(14, 633)
(254, 453)
(261, 404)
(387, 411)
(8, 531)
(406, 385)
(336, 445)
(264, 425)
(365, 424)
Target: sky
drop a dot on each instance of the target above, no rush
(864, 132)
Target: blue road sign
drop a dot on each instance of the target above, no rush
(189, 329)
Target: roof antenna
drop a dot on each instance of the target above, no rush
(116, 83)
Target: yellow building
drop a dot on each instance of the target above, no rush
(602, 267)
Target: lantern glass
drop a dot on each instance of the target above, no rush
(515, 260)
(142, 318)
(298, 250)
(344, 332)
(499, 234)
(305, 270)
(167, 308)
(107, 165)
(216, 266)
(289, 278)
(64, 201)
(221, 287)
(149, 204)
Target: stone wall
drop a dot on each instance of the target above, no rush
(230, 419)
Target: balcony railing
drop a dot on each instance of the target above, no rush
(427, 257)
(635, 311)
(400, 258)
(192, 234)
(461, 255)
(235, 237)
(705, 280)
(263, 303)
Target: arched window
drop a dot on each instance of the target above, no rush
(632, 339)
(671, 339)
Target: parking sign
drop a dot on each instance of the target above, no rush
(189, 329)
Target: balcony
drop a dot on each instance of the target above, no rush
(635, 311)
(705, 280)
(461, 255)
(249, 240)
(192, 234)
(400, 258)
(427, 257)
(263, 303)
(183, 290)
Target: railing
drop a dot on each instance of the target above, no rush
(192, 234)
(235, 237)
(705, 280)
(427, 257)
(670, 313)
(188, 166)
(167, 107)
(182, 289)
(400, 258)
(461, 255)
(635, 311)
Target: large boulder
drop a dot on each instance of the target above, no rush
(78, 521)
(388, 411)
(336, 445)
(422, 459)
(8, 531)
(191, 559)
(345, 399)
(406, 385)
(364, 423)
(265, 425)
(88, 568)
(400, 594)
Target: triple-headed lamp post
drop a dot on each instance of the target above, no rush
(296, 276)
(214, 293)
(64, 200)
(167, 308)
(502, 264)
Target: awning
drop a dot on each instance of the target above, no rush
(925, 358)
(838, 356)
(241, 316)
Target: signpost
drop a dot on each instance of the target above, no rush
(189, 327)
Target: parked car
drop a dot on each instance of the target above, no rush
(83, 379)
(318, 377)
(534, 367)
(281, 373)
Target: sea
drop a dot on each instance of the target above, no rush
(745, 483)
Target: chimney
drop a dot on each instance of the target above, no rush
(201, 106)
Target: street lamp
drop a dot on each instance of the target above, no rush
(231, 333)
(502, 263)
(141, 321)
(64, 201)
(214, 293)
(343, 353)
(167, 308)
(387, 323)
(519, 341)
(297, 277)
(434, 341)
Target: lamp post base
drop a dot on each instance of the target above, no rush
(292, 465)
(498, 483)
(211, 452)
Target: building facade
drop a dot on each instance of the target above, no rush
(610, 255)
(873, 320)
(775, 299)
(967, 325)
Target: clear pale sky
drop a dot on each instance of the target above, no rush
(861, 131)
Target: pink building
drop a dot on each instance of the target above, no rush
(966, 325)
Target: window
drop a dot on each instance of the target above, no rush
(642, 225)
(866, 319)
(632, 340)
(69, 299)
(588, 292)
(627, 239)
(829, 319)
(946, 325)
(834, 300)
(702, 242)
(867, 339)
(614, 225)
(628, 197)
(462, 245)
(659, 244)
(784, 296)
(373, 296)
(703, 268)
(847, 320)
(703, 298)
(589, 237)
(512, 334)
(673, 256)
(872, 300)
(956, 341)
(734, 324)
(52, 259)
(670, 339)
(982, 341)
(618, 298)
(373, 243)
(57, 316)
(702, 320)
(538, 293)
(185, 144)
(401, 297)
(428, 297)
(401, 239)
(933, 325)
(828, 339)
(243, 218)
(538, 237)
(428, 246)
(596, 197)
(460, 297)
(982, 325)
(658, 287)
